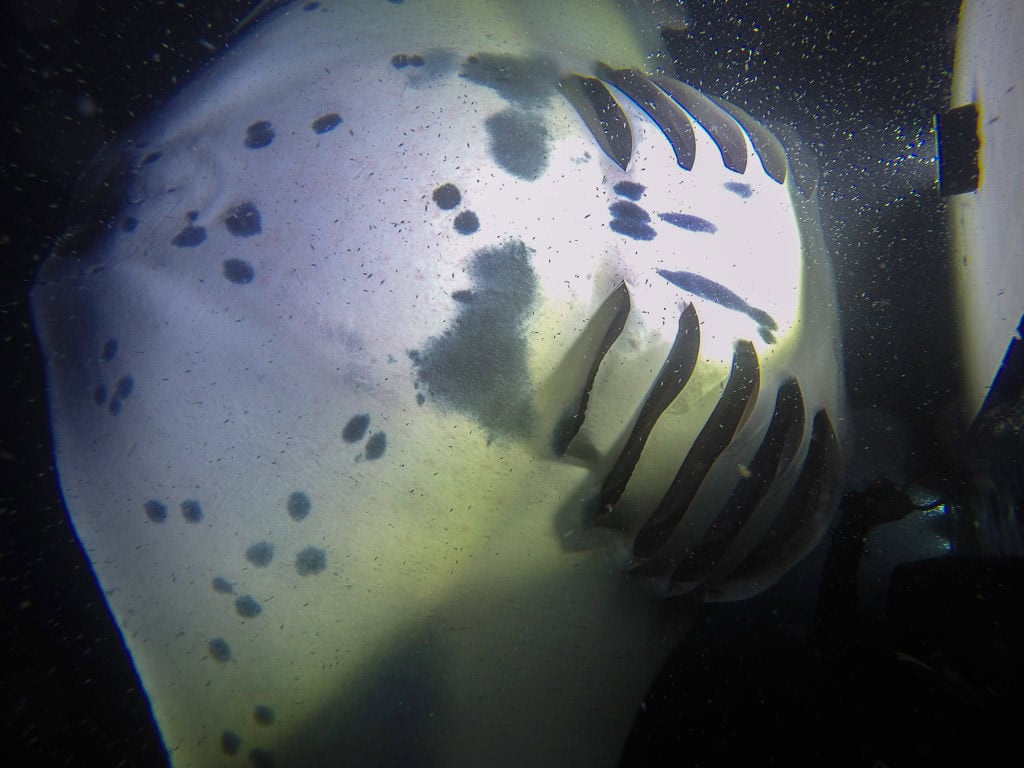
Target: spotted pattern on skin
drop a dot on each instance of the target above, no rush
(309, 560)
(448, 197)
(242, 220)
(631, 220)
(123, 385)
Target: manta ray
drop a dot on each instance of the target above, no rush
(419, 368)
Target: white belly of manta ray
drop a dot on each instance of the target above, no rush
(427, 366)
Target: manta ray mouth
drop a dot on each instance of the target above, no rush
(764, 518)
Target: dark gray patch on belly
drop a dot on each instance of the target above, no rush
(519, 143)
(479, 365)
(527, 82)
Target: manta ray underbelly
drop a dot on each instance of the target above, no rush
(416, 366)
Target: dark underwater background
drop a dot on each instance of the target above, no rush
(813, 672)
